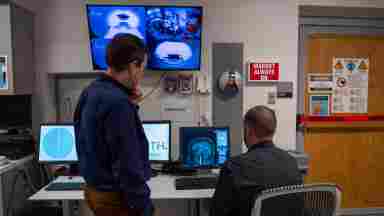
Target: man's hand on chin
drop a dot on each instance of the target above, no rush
(137, 96)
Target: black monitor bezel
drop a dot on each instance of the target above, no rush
(155, 69)
(181, 146)
(56, 162)
(170, 139)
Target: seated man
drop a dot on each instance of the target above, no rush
(263, 166)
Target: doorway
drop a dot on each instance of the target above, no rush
(350, 154)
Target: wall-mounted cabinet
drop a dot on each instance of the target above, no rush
(16, 50)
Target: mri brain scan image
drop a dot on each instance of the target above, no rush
(202, 151)
(203, 147)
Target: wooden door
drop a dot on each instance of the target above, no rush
(350, 154)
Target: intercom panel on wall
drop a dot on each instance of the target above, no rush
(227, 100)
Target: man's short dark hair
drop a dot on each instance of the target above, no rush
(262, 119)
(123, 50)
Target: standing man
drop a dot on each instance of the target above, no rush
(263, 166)
(111, 144)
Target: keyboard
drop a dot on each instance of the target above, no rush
(65, 186)
(196, 182)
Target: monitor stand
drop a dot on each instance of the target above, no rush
(207, 172)
(74, 170)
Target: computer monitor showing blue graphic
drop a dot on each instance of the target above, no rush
(158, 134)
(57, 144)
(204, 147)
(106, 21)
(171, 33)
(174, 37)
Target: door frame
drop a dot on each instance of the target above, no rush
(342, 25)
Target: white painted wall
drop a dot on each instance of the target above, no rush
(267, 27)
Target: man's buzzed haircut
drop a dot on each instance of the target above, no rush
(263, 119)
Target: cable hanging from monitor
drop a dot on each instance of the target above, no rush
(156, 87)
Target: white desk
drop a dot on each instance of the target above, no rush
(6, 168)
(162, 187)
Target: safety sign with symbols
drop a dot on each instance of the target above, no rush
(350, 93)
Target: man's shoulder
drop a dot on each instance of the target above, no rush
(235, 163)
(259, 156)
(107, 93)
(284, 153)
(240, 159)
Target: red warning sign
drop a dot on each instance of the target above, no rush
(263, 72)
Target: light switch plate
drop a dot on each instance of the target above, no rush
(271, 98)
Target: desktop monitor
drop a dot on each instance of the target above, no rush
(204, 147)
(158, 134)
(106, 21)
(174, 37)
(57, 144)
(171, 33)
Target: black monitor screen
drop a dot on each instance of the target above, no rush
(16, 111)
(204, 146)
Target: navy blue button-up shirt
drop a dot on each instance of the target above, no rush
(110, 141)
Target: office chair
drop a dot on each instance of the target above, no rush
(316, 200)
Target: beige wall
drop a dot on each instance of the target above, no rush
(268, 29)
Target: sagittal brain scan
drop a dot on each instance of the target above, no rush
(204, 147)
(173, 34)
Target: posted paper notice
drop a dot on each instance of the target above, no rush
(350, 94)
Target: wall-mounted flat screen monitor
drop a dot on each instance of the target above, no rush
(171, 33)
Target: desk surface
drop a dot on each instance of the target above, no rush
(15, 163)
(162, 187)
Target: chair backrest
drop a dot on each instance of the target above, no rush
(316, 199)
